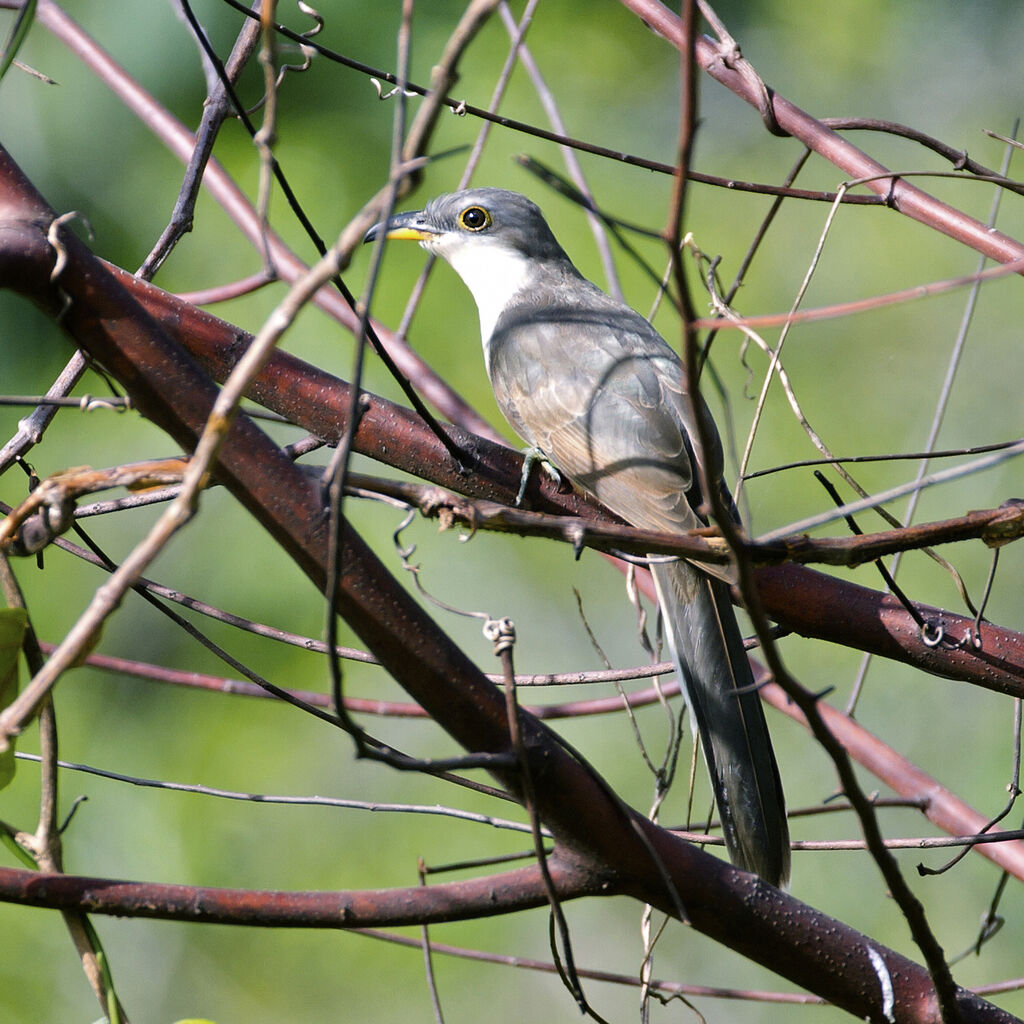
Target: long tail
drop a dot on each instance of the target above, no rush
(707, 647)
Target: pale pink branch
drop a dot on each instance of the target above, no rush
(736, 74)
(941, 806)
(180, 141)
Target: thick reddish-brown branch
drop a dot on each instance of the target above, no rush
(454, 901)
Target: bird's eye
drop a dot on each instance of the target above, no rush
(475, 218)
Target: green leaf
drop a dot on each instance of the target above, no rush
(13, 623)
(8, 840)
(22, 23)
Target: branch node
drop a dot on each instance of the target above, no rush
(502, 633)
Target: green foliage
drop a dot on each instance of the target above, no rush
(867, 382)
(13, 623)
(18, 34)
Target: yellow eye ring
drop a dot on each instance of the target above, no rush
(474, 218)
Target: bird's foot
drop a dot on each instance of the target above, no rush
(531, 456)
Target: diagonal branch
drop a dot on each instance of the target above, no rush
(731, 69)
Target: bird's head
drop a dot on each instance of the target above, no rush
(474, 221)
(497, 241)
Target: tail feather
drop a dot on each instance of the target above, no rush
(707, 648)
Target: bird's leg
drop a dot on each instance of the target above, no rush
(533, 455)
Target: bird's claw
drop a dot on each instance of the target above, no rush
(530, 457)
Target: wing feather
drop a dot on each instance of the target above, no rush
(565, 374)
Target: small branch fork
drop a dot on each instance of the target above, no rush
(994, 527)
(502, 634)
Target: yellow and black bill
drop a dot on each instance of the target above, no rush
(412, 226)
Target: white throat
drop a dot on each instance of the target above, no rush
(493, 273)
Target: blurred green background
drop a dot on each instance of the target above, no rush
(868, 384)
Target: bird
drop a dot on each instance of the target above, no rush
(593, 388)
